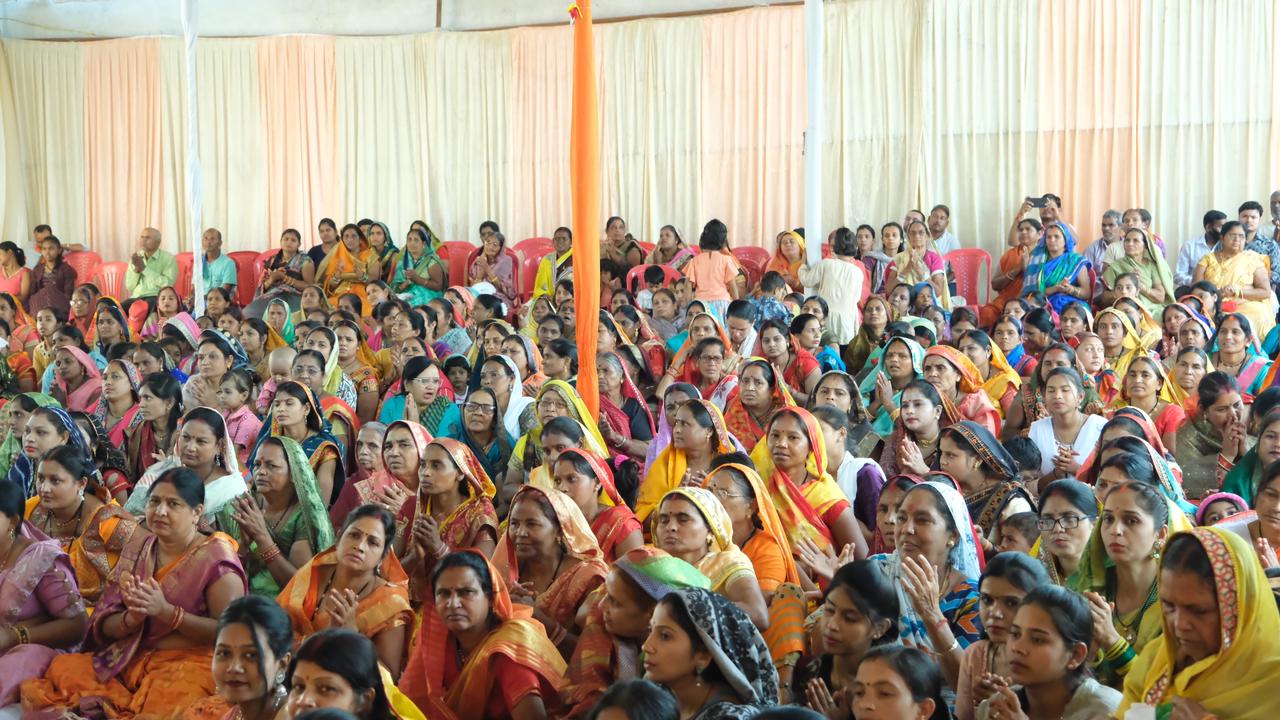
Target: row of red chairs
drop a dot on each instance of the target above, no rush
(967, 263)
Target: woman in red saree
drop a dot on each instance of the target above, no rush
(156, 622)
(960, 385)
(625, 421)
(800, 369)
(479, 655)
(395, 486)
(454, 507)
(758, 397)
(552, 562)
(588, 480)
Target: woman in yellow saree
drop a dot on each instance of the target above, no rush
(156, 622)
(692, 524)
(551, 560)
(478, 655)
(348, 266)
(1229, 673)
(68, 489)
(698, 434)
(1241, 278)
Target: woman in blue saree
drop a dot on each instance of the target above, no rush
(1056, 269)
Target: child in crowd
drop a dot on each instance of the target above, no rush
(653, 279)
(1027, 455)
(769, 299)
(1019, 532)
(279, 363)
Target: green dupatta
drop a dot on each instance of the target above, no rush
(309, 521)
(12, 444)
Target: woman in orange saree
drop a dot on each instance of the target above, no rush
(155, 625)
(479, 655)
(357, 584)
(609, 650)
(759, 531)
(348, 266)
(68, 490)
(961, 387)
(588, 480)
(552, 562)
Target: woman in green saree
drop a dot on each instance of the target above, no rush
(281, 523)
(420, 274)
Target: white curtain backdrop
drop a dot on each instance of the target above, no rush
(47, 139)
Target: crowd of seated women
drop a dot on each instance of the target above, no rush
(371, 494)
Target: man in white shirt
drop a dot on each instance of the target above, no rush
(1197, 247)
(944, 241)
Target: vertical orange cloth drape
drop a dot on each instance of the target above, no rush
(584, 178)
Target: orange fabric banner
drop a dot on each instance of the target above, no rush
(584, 178)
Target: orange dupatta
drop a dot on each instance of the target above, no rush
(802, 508)
(519, 637)
(383, 609)
(339, 261)
(770, 521)
(739, 419)
(566, 593)
(462, 527)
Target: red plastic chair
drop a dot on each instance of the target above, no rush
(646, 246)
(260, 265)
(110, 279)
(636, 274)
(456, 253)
(534, 246)
(528, 275)
(185, 283)
(85, 263)
(754, 260)
(246, 275)
(967, 264)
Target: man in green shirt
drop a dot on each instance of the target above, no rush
(150, 268)
(219, 270)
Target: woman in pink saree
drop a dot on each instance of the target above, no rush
(44, 614)
(77, 380)
(155, 625)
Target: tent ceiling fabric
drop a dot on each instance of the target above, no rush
(87, 19)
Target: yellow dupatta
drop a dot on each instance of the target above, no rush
(1236, 682)
(592, 439)
(1170, 392)
(724, 561)
(801, 506)
(1002, 376)
(668, 469)
(1132, 341)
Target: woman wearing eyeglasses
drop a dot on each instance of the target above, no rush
(483, 432)
(1068, 511)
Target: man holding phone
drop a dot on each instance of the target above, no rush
(1050, 207)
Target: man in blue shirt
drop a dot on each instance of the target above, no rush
(219, 270)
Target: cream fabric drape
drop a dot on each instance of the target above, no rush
(468, 136)
(232, 142)
(1166, 104)
(48, 139)
(753, 123)
(122, 127)
(298, 97)
(383, 121)
(874, 110)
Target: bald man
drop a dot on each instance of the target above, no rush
(150, 268)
